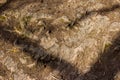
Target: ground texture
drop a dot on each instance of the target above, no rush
(59, 40)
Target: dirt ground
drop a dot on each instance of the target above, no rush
(59, 40)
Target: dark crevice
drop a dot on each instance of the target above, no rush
(5, 6)
(42, 1)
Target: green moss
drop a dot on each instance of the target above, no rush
(2, 18)
(26, 19)
(107, 45)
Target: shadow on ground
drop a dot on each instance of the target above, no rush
(89, 13)
(108, 65)
(31, 48)
(105, 68)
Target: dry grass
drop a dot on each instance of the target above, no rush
(94, 29)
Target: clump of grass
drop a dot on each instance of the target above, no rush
(22, 32)
(20, 28)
